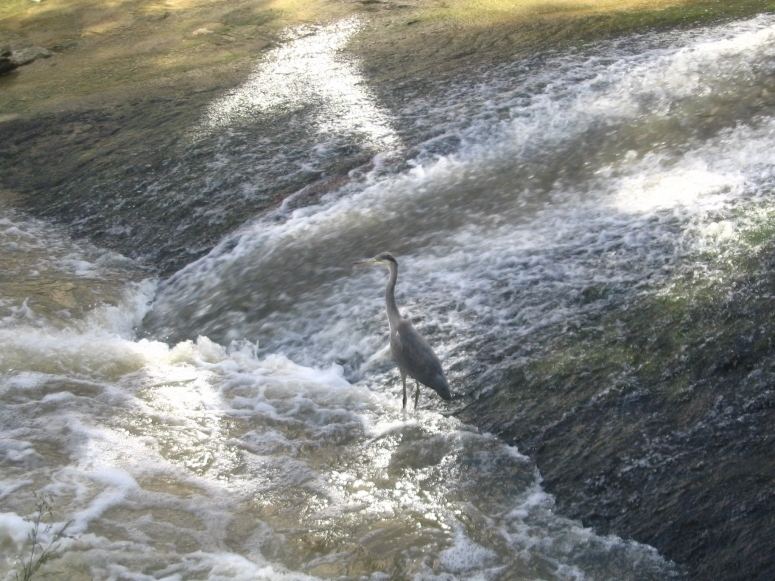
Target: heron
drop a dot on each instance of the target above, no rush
(409, 349)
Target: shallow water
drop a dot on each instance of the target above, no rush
(239, 419)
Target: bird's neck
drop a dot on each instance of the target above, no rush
(390, 298)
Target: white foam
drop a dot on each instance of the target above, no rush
(13, 529)
(191, 392)
(115, 485)
(197, 389)
(649, 215)
(16, 451)
(463, 249)
(100, 343)
(9, 486)
(228, 566)
(465, 555)
(49, 279)
(196, 459)
(733, 167)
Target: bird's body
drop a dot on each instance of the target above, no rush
(416, 359)
(410, 350)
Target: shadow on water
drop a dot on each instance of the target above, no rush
(163, 179)
(129, 180)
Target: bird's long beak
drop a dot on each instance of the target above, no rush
(362, 263)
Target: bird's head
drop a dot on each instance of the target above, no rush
(383, 258)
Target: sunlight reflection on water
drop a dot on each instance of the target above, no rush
(309, 71)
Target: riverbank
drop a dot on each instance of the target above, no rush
(108, 54)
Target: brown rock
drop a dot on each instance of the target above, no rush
(11, 59)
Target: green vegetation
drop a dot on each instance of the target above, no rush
(37, 551)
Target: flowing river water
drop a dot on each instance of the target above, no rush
(240, 418)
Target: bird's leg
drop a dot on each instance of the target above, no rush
(403, 381)
(416, 394)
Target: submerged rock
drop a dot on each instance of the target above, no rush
(656, 423)
(5, 61)
(11, 59)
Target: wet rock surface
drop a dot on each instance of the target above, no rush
(652, 421)
(655, 422)
(131, 178)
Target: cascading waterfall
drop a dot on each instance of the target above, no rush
(238, 420)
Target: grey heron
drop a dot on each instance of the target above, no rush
(410, 350)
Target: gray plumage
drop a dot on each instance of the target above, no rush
(410, 350)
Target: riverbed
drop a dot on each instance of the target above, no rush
(195, 375)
